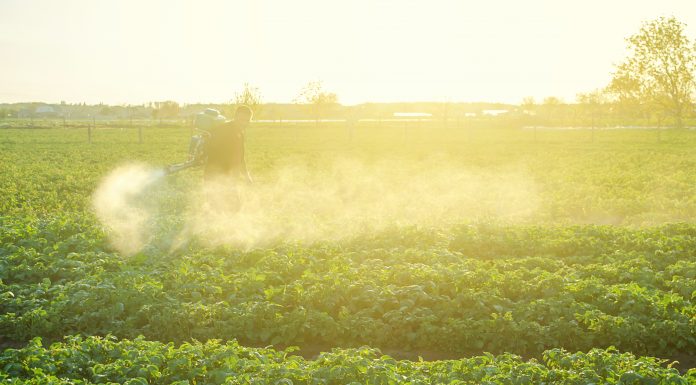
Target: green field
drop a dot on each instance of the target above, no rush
(501, 256)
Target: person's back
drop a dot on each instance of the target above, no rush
(226, 148)
(225, 151)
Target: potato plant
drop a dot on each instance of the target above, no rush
(600, 279)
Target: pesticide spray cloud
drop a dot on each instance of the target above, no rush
(298, 203)
(118, 204)
(348, 198)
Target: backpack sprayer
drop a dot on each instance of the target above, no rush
(198, 145)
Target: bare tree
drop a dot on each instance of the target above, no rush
(166, 109)
(528, 105)
(315, 95)
(551, 108)
(590, 105)
(249, 96)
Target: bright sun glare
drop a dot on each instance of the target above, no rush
(134, 51)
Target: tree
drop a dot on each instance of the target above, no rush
(659, 72)
(590, 105)
(626, 96)
(166, 109)
(249, 96)
(528, 105)
(105, 111)
(551, 108)
(315, 95)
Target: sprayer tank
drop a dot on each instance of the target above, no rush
(208, 119)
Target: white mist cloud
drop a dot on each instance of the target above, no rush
(350, 198)
(296, 203)
(118, 205)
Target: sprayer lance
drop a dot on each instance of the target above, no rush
(172, 168)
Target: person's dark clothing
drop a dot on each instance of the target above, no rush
(225, 151)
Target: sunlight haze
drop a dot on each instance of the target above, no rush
(364, 51)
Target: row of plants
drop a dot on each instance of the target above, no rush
(479, 288)
(625, 181)
(532, 290)
(94, 360)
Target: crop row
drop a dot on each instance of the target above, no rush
(522, 289)
(96, 360)
(626, 181)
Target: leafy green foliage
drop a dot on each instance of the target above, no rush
(493, 288)
(483, 286)
(106, 360)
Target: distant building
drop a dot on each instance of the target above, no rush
(44, 111)
(412, 115)
(494, 112)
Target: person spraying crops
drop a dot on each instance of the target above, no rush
(225, 167)
(219, 149)
(225, 152)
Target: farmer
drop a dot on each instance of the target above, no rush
(225, 167)
(226, 149)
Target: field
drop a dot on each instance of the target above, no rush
(380, 254)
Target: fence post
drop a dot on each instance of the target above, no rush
(405, 121)
(659, 128)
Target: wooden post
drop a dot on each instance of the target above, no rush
(405, 121)
(593, 127)
(659, 127)
(351, 128)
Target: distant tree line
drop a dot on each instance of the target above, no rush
(654, 85)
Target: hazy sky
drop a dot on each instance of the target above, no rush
(364, 50)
